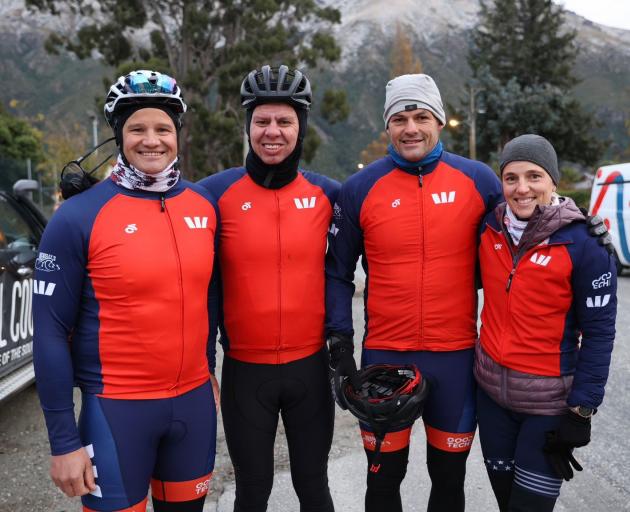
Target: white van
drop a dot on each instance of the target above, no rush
(610, 199)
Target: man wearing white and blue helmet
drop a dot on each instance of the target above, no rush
(124, 315)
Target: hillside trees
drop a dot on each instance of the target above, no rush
(18, 139)
(522, 59)
(19, 142)
(209, 46)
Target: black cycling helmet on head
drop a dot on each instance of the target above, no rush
(276, 85)
(389, 398)
(142, 89)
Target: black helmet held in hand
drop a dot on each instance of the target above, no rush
(389, 395)
(276, 85)
(389, 398)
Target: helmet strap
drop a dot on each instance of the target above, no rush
(376, 460)
(379, 430)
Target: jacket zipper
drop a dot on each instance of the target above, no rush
(279, 344)
(422, 248)
(516, 258)
(181, 290)
(503, 386)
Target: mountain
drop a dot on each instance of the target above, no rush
(440, 32)
(64, 88)
(60, 88)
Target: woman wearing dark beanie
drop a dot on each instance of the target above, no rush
(548, 326)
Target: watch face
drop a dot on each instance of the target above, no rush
(587, 412)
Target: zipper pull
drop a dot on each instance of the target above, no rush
(509, 283)
(162, 202)
(420, 180)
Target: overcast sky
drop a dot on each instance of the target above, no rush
(615, 13)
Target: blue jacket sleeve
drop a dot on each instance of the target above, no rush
(595, 303)
(56, 300)
(214, 301)
(345, 245)
(490, 188)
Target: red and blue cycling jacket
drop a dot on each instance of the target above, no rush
(271, 258)
(552, 312)
(417, 234)
(121, 306)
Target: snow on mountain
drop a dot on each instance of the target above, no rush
(362, 21)
(376, 20)
(428, 20)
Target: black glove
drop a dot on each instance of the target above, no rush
(342, 364)
(574, 431)
(596, 227)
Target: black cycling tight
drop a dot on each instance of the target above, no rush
(447, 471)
(181, 506)
(514, 498)
(252, 398)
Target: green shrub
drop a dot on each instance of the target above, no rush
(581, 197)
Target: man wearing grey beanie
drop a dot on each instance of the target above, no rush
(414, 216)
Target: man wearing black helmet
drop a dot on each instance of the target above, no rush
(124, 314)
(274, 221)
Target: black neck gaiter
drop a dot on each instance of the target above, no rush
(281, 174)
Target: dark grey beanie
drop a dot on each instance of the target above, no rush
(531, 148)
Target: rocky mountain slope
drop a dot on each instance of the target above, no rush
(63, 88)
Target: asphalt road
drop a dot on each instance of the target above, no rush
(603, 486)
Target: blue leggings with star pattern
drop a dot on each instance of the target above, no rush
(521, 477)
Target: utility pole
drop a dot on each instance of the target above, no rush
(94, 119)
(472, 133)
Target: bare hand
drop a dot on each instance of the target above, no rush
(72, 473)
(215, 390)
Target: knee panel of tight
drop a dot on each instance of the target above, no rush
(392, 469)
(447, 468)
(180, 506)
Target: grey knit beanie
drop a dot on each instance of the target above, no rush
(410, 92)
(531, 148)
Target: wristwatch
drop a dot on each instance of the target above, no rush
(585, 412)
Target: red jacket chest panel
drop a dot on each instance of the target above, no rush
(522, 328)
(155, 267)
(420, 242)
(272, 249)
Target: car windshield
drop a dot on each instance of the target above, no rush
(15, 233)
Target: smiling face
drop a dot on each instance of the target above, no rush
(414, 134)
(149, 140)
(525, 185)
(273, 132)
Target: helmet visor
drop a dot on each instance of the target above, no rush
(139, 83)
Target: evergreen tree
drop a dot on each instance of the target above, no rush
(209, 46)
(19, 141)
(522, 58)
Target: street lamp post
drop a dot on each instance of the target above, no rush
(472, 121)
(472, 132)
(94, 119)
